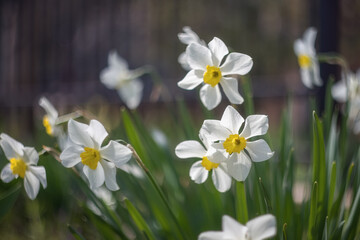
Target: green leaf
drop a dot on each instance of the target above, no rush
(139, 220)
(248, 97)
(75, 233)
(241, 204)
(284, 231)
(8, 198)
(352, 221)
(332, 186)
(312, 231)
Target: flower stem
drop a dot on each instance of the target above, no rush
(240, 203)
(158, 189)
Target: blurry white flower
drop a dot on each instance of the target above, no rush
(258, 228)
(118, 76)
(349, 90)
(23, 161)
(159, 137)
(199, 170)
(309, 67)
(187, 37)
(99, 162)
(232, 144)
(104, 195)
(205, 64)
(50, 118)
(132, 169)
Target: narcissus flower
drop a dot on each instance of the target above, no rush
(199, 170)
(187, 37)
(99, 163)
(238, 147)
(209, 67)
(23, 161)
(118, 76)
(309, 67)
(258, 228)
(50, 118)
(348, 90)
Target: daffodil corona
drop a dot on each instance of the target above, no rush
(231, 145)
(99, 163)
(209, 68)
(23, 161)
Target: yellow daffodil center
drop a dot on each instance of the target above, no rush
(207, 164)
(47, 125)
(304, 61)
(212, 75)
(18, 167)
(90, 157)
(234, 143)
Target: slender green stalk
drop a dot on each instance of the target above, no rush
(240, 203)
(158, 189)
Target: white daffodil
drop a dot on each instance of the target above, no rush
(208, 67)
(349, 90)
(99, 163)
(187, 37)
(118, 76)
(23, 161)
(199, 170)
(50, 118)
(258, 228)
(309, 67)
(225, 134)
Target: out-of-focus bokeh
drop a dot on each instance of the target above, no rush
(58, 48)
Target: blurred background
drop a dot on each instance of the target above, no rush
(57, 49)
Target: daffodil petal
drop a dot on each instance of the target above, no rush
(299, 47)
(212, 235)
(238, 166)
(306, 77)
(131, 93)
(316, 72)
(259, 150)
(110, 175)
(262, 227)
(192, 79)
(188, 36)
(219, 50)
(215, 130)
(198, 56)
(255, 125)
(115, 61)
(31, 184)
(96, 177)
(231, 119)
(40, 173)
(210, 96)
(71, 156)
(49, 108)
(218, 154)
(6, 174)
(116, 153)
(230, 87)
(30, 155)
(233, 228)
(190, 149)
(236, 63)
(97, 132)
(79, 134)
(110, 77)
(198, 173)
(221, 180)
(309, 39)
(11, 147)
